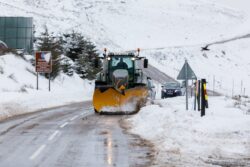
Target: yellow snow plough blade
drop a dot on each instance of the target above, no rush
(113, 101)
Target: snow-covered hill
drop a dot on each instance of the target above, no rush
(226, 66)
(181, 27)
(168, 31)
(136, 23)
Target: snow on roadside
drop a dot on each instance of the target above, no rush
(18, 88)
(184, 138)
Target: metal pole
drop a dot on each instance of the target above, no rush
(241, 87)
(37, 81)
(49, 82)
(195, 94)
(186, 84)
(199, 95)
(192, 89)
(233, 89)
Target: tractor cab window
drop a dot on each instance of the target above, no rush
(121, 63)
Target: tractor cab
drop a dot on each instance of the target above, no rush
(121, 68)
(120, 82)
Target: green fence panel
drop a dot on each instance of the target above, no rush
(17, 32)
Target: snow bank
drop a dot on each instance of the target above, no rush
(183, 138)
(18, 88)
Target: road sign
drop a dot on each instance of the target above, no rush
(43, 62)
(186, 73)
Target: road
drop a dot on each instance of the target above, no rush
(73, 136)
(157, 75)
(70, 136)
(162, 78)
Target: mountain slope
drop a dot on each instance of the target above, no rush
(177, 28)
(225, 66)
(134, 23)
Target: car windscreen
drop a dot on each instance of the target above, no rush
(172, 86)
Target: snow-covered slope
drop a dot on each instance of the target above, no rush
(181, 27)
(135, 23)
(226, 66)
(18, 88)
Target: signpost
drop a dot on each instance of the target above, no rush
(186, 74)
(43, 63)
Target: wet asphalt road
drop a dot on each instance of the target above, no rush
(157, 75)
(162, 78)
(69, 136)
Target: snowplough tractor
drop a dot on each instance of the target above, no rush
(121, 87)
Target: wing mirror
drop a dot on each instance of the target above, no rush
(145, 64)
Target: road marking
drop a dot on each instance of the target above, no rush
(38, 151)
(63, 125)
(53, 135)
(72, 119)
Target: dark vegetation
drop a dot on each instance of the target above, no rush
(71, 52)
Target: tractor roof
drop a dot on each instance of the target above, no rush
(121, 54)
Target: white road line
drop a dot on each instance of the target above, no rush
(72, 119)
(53, 135)
(38, 151)
(63, 125)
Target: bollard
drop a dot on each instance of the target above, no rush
(199, 94)
(195, 94)
(203, 97)
(205, 94)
